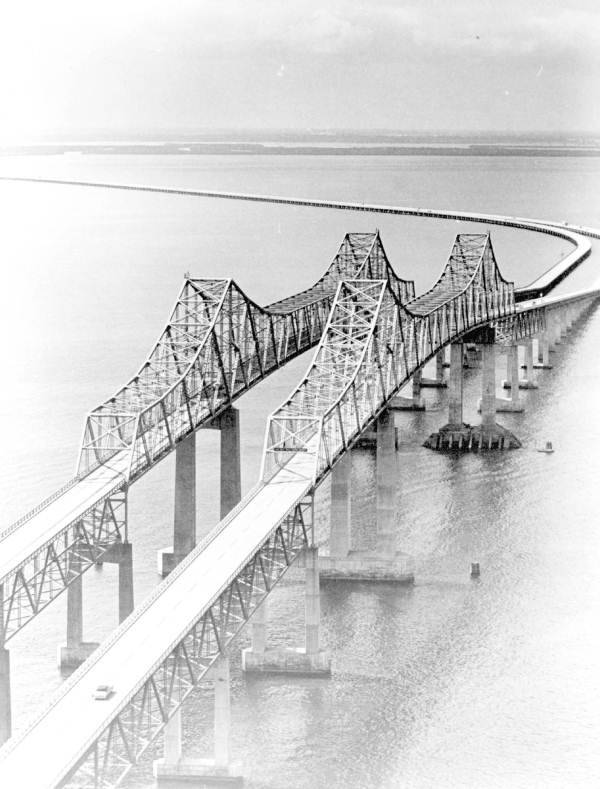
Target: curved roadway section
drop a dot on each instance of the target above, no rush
(541, 286)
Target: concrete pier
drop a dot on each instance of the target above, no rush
(492, 435)
(340, 509)
(453, 434)
(471, 356)
(438, 381)
(125, 562)
(457, 435)
(218, 771)
(385, 563)
(386, 485)
(512, 382)
(415, 401)
(488, 387)
(455, 385)
(184, 531)
(310, 660)
(184, 523)
(231, 480)
(76, 650)
(529, 381)
(5, 706)
(543, 362)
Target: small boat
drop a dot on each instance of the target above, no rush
(547, 448)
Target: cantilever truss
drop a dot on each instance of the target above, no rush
(373, 345)
(216, 345)
(144, 715)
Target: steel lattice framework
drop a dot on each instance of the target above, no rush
(161, 694)
(373, 345)
(216, 345)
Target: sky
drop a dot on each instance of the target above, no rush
(76, 66)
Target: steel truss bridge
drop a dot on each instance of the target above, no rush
(216, 345)
(373, 335)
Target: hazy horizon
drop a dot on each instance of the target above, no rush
(420, 66)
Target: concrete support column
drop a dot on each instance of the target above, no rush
(340, 510)
(312, 602)
(184, 517)
(416, 389)
(557, 328)
(512, 382)
(75, 606)
(5, 711)
(231, 478)
(513, 371)
(308, 660)
(125, 581)
(174, 767)
(173, 739)
(259, 628)
(543, 362)
(439, 366)
(488, 386)
(386, 484)
(529, 365)
(76, 650)
(222, 680)
(455, 385)
(184, 527)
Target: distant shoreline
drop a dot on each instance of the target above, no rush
(290, 149)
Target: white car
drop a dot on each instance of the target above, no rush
(103, 692)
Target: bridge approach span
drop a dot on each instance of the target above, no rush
(577, 236)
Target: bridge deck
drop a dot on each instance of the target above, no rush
(18, 545)
(39, 758)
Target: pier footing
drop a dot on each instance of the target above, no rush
(401, 403)
(74, 655)
(506, 405)
(363, 565)
(287, 660)
(434, 383)
(197, 772)
(523, 384)
(465, 438)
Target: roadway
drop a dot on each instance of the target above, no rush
(540, 286)
(38, 758)
(17, 545)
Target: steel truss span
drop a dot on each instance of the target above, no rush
(216, 345)
(371, 346)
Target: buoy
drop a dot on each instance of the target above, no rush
(547, 448)
(475, 570)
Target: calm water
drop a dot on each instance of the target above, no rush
(449, 684)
